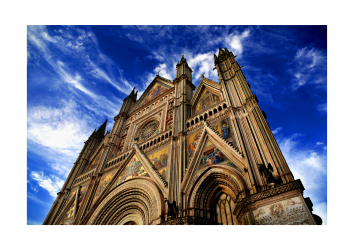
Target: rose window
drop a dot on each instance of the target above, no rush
(148, 130)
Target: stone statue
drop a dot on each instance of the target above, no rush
(267, 172)
(172, 211)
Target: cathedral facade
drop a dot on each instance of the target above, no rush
(181, 155)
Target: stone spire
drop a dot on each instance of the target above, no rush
(100, 132)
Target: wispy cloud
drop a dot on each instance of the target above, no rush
(322, 108)
(80, 46)
(309, 67)
(61, 128)
(276, 131)
(318, 143)
(200, 58)
(33, 187)
(36, 199)
(50, 183)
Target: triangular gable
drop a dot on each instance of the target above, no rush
(229, 152)
(133, 169)
(156, 88)
(205, 83)
(207, 94)
(143, 168)
(211, 156)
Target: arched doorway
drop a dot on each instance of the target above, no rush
(224, 207)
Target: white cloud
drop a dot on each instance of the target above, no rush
(318, 143)
(235, 41)
(163, 71)
(50, 183)
(307, 165)
(203, 64)
(57, 128)
(276, 131)
(309, 67)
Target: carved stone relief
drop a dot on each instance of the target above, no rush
(288, 212)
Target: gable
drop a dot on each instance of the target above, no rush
(158, 89)
(211, 156)
(133, 169)
(206, 99)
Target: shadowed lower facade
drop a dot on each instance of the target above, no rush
(181, 155)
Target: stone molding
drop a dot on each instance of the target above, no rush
(266, 194)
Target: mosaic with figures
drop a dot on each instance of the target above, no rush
(221, 127)
(103, 184)
(206, 100)
(211, 154)
(159, 160)
(157, 90)
(69, 216)
(133, 169)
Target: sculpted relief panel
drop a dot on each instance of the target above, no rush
(288, 212)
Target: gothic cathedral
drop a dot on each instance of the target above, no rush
(182, 155)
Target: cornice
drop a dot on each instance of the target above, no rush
(283, 188)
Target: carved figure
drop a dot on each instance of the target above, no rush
(267, 172)
(172, 211)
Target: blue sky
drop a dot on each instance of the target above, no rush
(77, 76)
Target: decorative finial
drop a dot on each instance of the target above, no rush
(158, 72)
(182, 56)
(203, 75)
